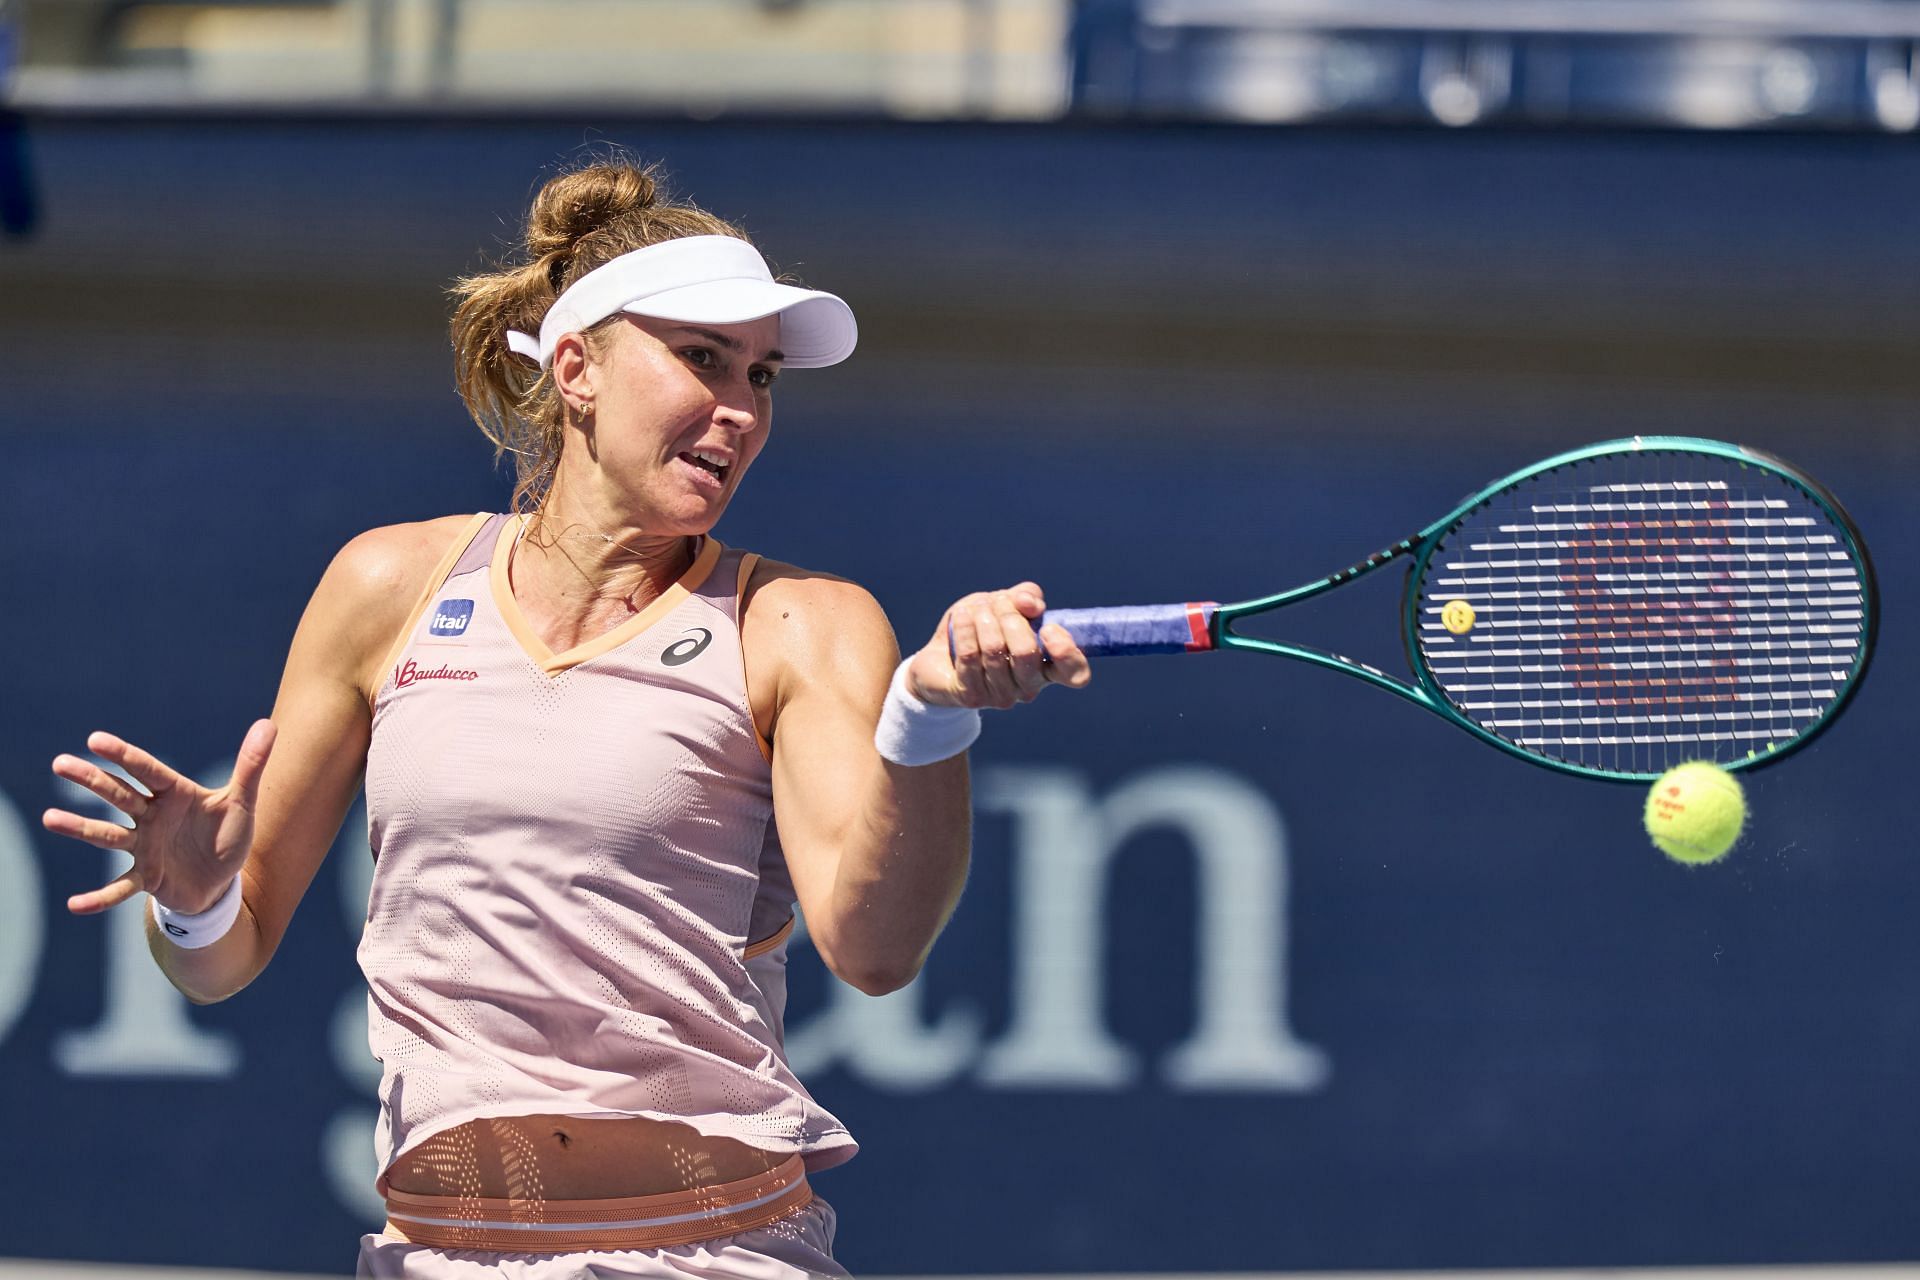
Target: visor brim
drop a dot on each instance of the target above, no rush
(816, 329)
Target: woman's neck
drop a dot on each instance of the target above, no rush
(581, 570)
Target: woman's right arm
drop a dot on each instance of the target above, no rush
(293, 781)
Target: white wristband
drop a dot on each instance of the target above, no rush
(204, 929)
(914, 732)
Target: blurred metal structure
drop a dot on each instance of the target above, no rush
(19, 210)
(9, 44)
(1688, 63)
(908, 58)
(1672, 63)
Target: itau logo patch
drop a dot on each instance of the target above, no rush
(450, 617)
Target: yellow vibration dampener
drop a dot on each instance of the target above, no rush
(1458, 617)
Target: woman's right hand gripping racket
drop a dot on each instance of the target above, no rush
(1609, 612)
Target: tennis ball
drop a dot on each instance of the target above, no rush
(1695, 812)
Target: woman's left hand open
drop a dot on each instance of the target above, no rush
(986, 653)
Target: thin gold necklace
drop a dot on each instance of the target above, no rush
(526, 523)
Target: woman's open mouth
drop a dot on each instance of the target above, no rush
(708, 463)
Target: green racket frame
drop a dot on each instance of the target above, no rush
(1424, 692)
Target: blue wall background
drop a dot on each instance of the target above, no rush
(1524, 1038)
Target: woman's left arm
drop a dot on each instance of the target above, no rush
(878, 850)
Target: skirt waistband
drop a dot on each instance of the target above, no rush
(634, 1222)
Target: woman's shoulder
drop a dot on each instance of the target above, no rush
(777, 583)
(814, 616)
(395, 558)
(374, 582)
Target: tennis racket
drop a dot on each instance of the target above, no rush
(1609, 612)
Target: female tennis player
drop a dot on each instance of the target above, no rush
(603, 754)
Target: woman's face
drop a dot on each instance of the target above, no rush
(680, 412)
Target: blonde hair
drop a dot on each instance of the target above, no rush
(581, 219)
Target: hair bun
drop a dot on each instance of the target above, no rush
(575, 205)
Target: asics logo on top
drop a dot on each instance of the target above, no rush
(450, 617)
(681, 652)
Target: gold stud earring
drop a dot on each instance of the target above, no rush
(586, 408)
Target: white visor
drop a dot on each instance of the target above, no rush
(699, 280)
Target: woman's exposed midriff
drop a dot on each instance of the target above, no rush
(559, 1157)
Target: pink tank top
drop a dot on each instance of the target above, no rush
(579, 904)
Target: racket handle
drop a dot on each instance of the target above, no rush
(1146, 628)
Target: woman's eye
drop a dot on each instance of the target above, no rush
(763, 377)
(700, 357)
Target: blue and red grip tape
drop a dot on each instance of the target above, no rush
(1145, 628)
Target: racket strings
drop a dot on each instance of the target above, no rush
(1638, 610)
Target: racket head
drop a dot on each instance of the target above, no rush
(1639, 603)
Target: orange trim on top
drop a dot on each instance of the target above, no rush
(538, 1225)
(552, 663)
(435, 580)
(769, 942)
(748, 562)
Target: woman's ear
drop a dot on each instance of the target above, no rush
(572, 373)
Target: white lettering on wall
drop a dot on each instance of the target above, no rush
(144, 1027)
(884, 1040)
(1064, 843)
(1244, 1037)
(21, 924)
(1058, 1037)
(348, 1164)
(346, 1145)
